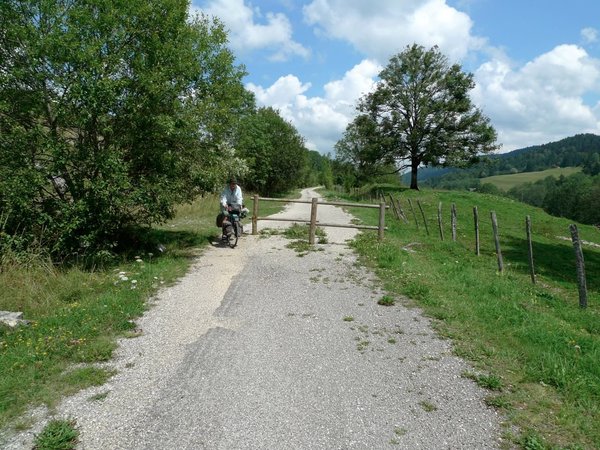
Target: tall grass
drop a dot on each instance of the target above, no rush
(535, 339)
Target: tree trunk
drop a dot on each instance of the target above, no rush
(413, 177)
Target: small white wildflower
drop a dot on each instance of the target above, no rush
(133, 281)
(124, 278)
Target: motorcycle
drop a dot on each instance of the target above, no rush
(232, 226)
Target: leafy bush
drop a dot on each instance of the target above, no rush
(110, 114)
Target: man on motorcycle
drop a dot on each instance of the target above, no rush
(231, 200)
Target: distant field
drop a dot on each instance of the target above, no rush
(505, 182)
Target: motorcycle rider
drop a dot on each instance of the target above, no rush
(231, 200)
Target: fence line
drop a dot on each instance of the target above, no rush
(314, 202)
(580, 263)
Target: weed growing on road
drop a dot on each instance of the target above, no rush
(427, 406)
(99, 397)
(386, 300)
(491, 382)
(400, 431)
(57, 435)
(348, 319)
(299, 233)
(362, 346)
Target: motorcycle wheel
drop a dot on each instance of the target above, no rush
(233, 237)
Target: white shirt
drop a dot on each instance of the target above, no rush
(233, 198)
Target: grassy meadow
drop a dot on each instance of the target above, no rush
(77, 313)
(506, 182)
(531, 345)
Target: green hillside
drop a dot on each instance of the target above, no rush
(531, 345)
(506, 182)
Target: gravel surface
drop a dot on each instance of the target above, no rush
(258, 348)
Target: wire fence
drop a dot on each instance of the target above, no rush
(410, 214)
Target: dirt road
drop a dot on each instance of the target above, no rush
(258, 348)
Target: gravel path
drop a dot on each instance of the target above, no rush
(258, 348)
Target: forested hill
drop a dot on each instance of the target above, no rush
(578, 150)
(569, 152)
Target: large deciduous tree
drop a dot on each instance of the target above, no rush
(274, 151)
(111, 112)
(419, 114)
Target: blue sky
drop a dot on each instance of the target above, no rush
(536, 62)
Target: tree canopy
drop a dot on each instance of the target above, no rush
(273, 150)
(419, 114)
(111, 112)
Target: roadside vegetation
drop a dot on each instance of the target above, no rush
(531, 345)
(76, 313)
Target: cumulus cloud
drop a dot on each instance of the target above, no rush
(251, 30)
(589, 35)
(388, 27)
(542, 100)
(321, 119)
(548, 98)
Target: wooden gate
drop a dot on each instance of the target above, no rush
(313, 215)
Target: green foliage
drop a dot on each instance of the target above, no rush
(274, 152)
(592, 164)
(403, 125)
(386, 300)
(576, 197)
(57, 435)
(110, 114)
(318, 170)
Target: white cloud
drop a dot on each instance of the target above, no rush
(589, 35)
(246, 33)
(543, 100)
(385, 29)
(322, 120)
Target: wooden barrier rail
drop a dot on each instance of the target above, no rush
(314, 202)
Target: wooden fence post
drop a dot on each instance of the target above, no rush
(440, 221)
(530, 248)
(313, 221)
(381, 220)
(580, 266)
(476, 220)
(394, 207)
(255, 216)
(413, 213)
(401, 211)
(423, 215)
(453, 221)
(497, 242)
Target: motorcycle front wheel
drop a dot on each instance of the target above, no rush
(233, 237)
